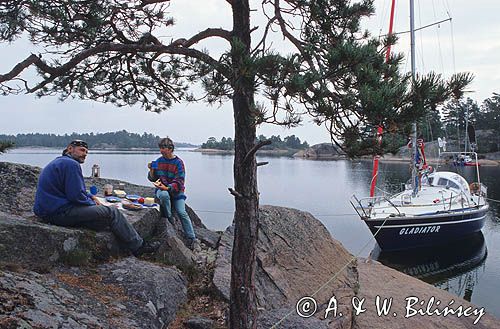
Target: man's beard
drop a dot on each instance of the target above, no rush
(80, 160)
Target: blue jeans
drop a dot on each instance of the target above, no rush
(99, 218)
(180, 208)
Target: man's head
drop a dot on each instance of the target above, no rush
(78, 150)
(166, 146)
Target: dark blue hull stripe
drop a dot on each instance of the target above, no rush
(406, 234)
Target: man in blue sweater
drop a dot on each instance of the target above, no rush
(61, 199)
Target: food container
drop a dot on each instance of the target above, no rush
(108, 190)
(149, 201)
(120, 193)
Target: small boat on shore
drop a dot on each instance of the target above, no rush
(465, 160)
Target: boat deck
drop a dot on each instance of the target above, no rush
(430, 200)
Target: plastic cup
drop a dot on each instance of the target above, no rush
(93, 190)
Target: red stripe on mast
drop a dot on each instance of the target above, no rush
(391, 24)
(379, 129)
(375, 163)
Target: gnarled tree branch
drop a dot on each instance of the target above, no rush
(55, 72)
(254, 149)
(205, 34)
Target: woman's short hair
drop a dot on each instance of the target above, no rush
(166, 142)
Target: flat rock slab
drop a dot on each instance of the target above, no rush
(17, 188)
(126, 294)
(376, 279)
(296, 256)
(288, 318)
(172, 250)
(159, 290)
(208, 237)
(36, 245)
(199, 323)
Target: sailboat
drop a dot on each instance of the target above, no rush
(436, 208)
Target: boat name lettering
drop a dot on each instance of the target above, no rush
(420, 230)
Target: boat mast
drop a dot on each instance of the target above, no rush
(414, 175)
(466, 130)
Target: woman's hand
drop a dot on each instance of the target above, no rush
(159, 185)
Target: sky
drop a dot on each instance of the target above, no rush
(470, 43)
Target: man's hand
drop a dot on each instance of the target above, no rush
(96, 200)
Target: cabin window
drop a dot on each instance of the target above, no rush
(447, 183)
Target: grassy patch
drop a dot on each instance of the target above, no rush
(76, 257)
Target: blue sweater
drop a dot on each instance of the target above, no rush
(60, 186)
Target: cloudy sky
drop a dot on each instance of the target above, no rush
(470, 43)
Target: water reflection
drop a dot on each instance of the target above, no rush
(453, 267)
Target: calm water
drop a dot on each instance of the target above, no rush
(470, 268)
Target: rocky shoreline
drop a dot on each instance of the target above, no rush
(54, 277)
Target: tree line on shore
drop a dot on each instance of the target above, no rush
(119, 139)
(450, 122)
(484, 118)
(288, 142)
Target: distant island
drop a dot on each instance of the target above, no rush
(110, 140)
(287, 146)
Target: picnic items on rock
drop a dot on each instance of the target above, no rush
(93, 190)
(149, 201)
(119, 193)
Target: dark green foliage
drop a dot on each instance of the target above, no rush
(223, 144)
(289, 142)
(5, 145)
(484, 118)
(489, 121)
(455, 118)
(489, 116)
(120, 139)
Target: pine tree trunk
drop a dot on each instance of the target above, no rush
(243, 307)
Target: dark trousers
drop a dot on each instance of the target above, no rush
(99, 218)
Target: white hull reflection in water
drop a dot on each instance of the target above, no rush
(454, 267)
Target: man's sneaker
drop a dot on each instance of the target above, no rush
(146, 248)
(194, 244)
